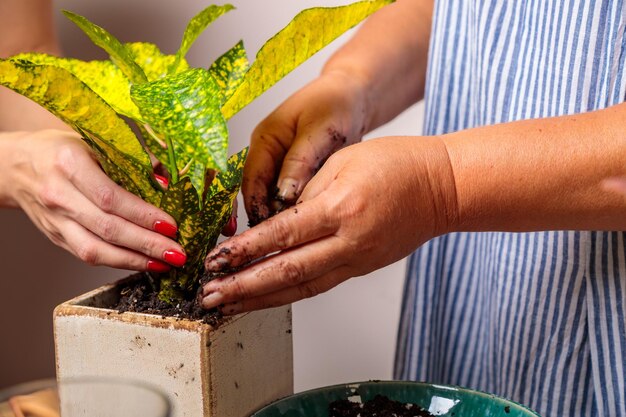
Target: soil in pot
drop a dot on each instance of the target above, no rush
(141, 296)
(379, 406)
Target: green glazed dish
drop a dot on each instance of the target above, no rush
(439, 400)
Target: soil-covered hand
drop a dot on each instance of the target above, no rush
(53, 176)
(370, 205)
(292, 143)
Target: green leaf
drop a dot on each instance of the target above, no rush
(72, 101)
(221, 196)
(199, 230)
(231, 178)
(124, 171)
(229, 70)
(120, 55)
(103, 77)
(195, 27)
(152, 61)
(185, 107)
(307, 33)
(181, 202)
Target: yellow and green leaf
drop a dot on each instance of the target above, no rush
(119, 54)
(194, 28)
(123, 171)
(185, 108)
(103, 77)
(152, 61)
(307, 33)
(74, 102)
(229, 70)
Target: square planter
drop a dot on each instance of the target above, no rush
(228, 371)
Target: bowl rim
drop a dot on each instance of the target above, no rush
(403, 383)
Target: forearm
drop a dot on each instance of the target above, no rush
(542, 174)
(389, 55)
(25, 26)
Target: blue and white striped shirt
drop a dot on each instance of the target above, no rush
(535, 317)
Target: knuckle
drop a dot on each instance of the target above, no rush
(239, 290)
(292, 273)
(107, 229)
(66, 160)
(281, 234)
(88, 253)
(105, 198)
(50, 197)
(309, 289)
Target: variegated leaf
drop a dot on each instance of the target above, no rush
(152, 61)
(307, 33)
(124, 171)
(103, 77)
(119, 54)
(229, 70)
(74, 102)
(194, 28)
(185, 107)
(181, 202)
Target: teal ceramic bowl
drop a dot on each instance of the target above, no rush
(439, 400)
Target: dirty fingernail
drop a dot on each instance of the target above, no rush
(217, 265)
(288, 189)
(212, 300)
(232, 308)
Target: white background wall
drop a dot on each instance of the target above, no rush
(345, 335)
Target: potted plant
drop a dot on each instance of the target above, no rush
(142, 100)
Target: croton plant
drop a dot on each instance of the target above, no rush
(180, 115)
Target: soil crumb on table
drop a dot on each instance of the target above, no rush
(379, 406)
(139, 297)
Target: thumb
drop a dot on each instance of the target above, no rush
(306, 156)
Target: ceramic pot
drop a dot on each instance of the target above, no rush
(228, 371)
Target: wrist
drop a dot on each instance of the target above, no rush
(434, 180)
(356, 85)
(9, 143)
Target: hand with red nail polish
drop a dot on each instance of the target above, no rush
(54, 177)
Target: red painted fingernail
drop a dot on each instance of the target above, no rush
(165, 228)
(175, 258)
(157, 266)
(231, 227)
(163, 181)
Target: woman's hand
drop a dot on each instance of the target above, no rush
(368, 206)
(292, 143)
(53, 176)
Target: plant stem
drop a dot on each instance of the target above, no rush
(172, 160)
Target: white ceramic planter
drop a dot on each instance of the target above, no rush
(231, 371)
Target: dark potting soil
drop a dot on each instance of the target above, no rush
(139, 296)
(379, 406)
